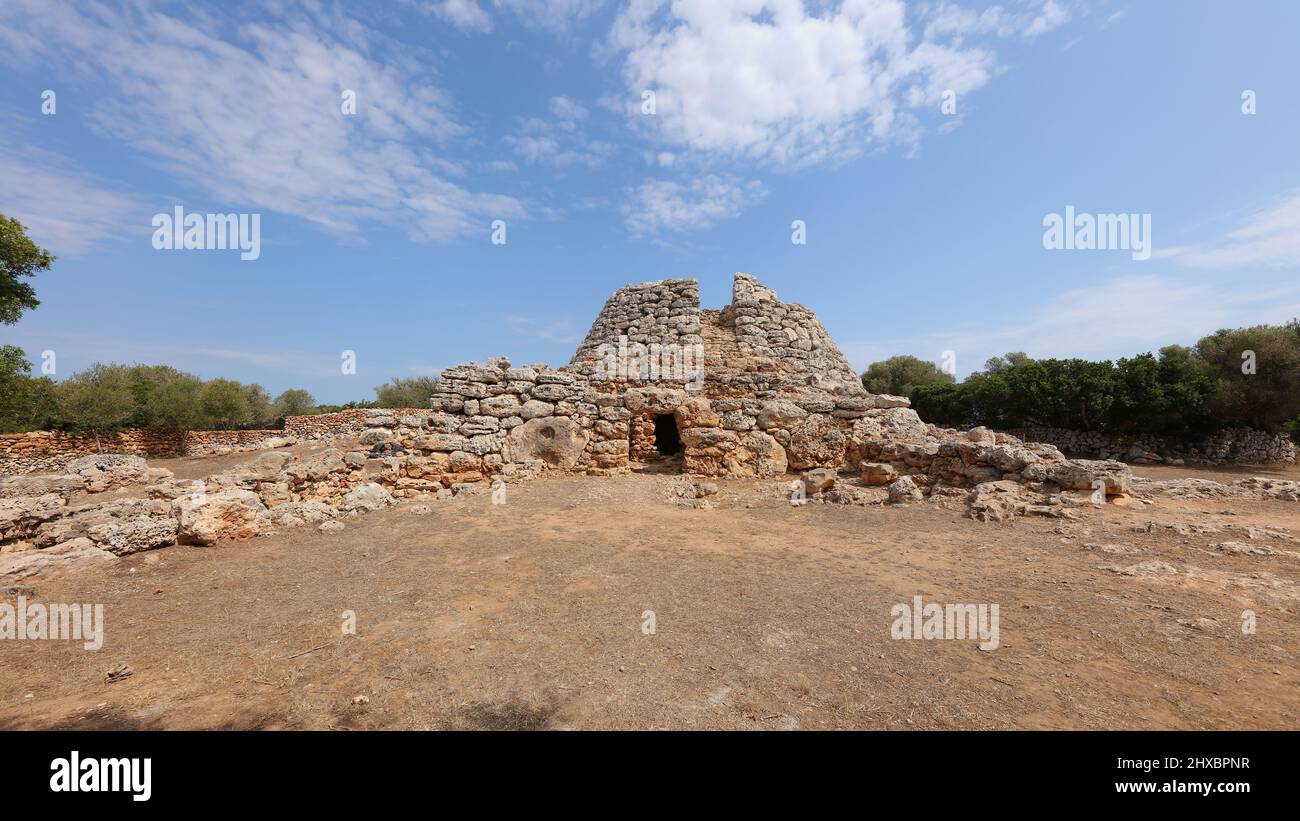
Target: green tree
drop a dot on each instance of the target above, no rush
(1255, 373)
(405, 393)
(25, 403)
(261, 413)
(898, 375)
(294, 402)
(98, 399)
(998, 364)
(19, 257)
(165, 397)
(223, 404)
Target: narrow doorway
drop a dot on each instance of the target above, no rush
(666, 440)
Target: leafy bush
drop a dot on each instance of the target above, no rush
(405, 393)
(898, 375)
(1184, 392)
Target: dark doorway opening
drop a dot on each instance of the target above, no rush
(666, 440)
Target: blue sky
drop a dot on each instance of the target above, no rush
(924, 228)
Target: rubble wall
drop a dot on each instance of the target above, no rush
(1244, 445)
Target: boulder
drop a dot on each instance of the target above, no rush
(996, 501)
(21, 516)
(315, 468)
(105, 471)
(69, 555)
(769, 457)
(877, 474)
(557, 441)
(892, 424)
(268, 465)
(536, 409)
(816, 442)
(374, 436)
(229, 514)
(818, 480)
(369, 496)
(904, 490)
(66, 486)
(294, 514)
(696, 412)
(121, 526)
(500, 406)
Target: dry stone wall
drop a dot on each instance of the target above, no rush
(664, 313)
(788, 338)
(50, 451)
(1243, 445)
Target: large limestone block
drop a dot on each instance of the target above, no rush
(105, 471)
(780, 413)
(230, 514)
(817, 442)
(557, 441)
(121, 526)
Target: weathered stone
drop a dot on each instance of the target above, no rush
(230, 514)
(556, 441)
(106, 471)
(369, 496)
(904, 490)
(780, 414)
(818, 480)
(877, 474)
(816, 442)
(535, 409)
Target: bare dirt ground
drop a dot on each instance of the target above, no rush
(529, 615)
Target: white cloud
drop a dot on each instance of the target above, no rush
(553, 15)
(253, 118)
(1052, 16)
(567, 110)
(1269, 238)
(664, 205)
(1121, 317)
(464, 14)
(65, 209)
(770, 81)
(950, 19)
(559, 142)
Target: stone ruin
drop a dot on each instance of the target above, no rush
(755, 390)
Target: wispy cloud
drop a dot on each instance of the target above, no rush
(1121, 317)
(186, 89)
(1267, 238)
(64, 208)
(552, 15)
(77, 350)
(558, 331)
(667, 205)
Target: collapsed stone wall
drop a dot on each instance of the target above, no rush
(1244, 445)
